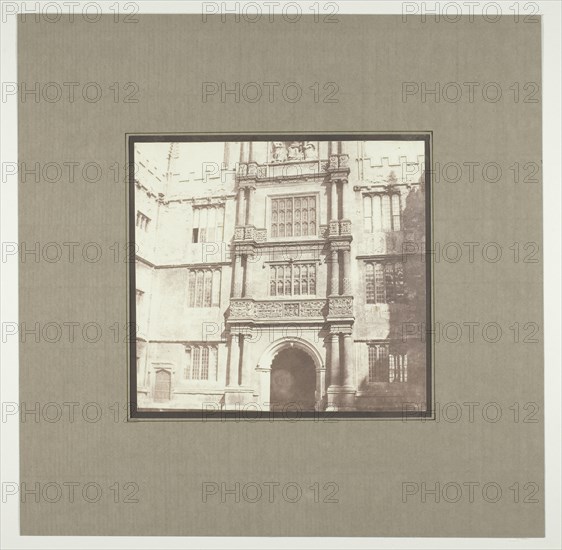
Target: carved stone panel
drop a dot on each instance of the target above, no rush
(283, 151)
(340, 306)
(279, 151)
(345, 227)
(263, 310)
(291, 310)
(249, 232)
(261, 235)
(311, 308)
(268, 310)
(241, 309)
(252, 169)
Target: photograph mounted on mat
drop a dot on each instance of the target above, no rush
(280, 276)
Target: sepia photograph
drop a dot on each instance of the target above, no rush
(280, 274)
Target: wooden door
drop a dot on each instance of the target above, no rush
(162, 386)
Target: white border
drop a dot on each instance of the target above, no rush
(552, 145)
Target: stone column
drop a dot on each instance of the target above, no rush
(226, 159)
(334, 201)
(346, 287)
(241, 375)
(234, 365)
(320, 384)
(240, 207)
(247, 277)
(250, 206)
(335, 372)
(334, 273)
(242, 152)
(251, 152)
(237, 276)
(348, 370)
(345, 205)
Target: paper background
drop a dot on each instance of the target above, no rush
(369, 57)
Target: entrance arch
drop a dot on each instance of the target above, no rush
(292, 381)
(293, 375)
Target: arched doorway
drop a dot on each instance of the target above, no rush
(293, 381)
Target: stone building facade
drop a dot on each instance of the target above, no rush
(286, 275)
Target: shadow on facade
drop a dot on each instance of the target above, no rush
(407, 318)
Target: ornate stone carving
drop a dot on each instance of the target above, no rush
(323, 231)
(345, 227)
(261, 172)
(340, 245)
(311, 308)
(333, 228)
(339, 162)
(309, 150)
(241, 309)
(252, 169)
(294, 151)
(242, 169)
(249, 232)
(291, 310)
(268, 310)
(245, 309)
(340, 306)
(279, 151)
(260, 235)
(340, 328)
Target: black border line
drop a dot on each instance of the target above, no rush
(269, 416)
